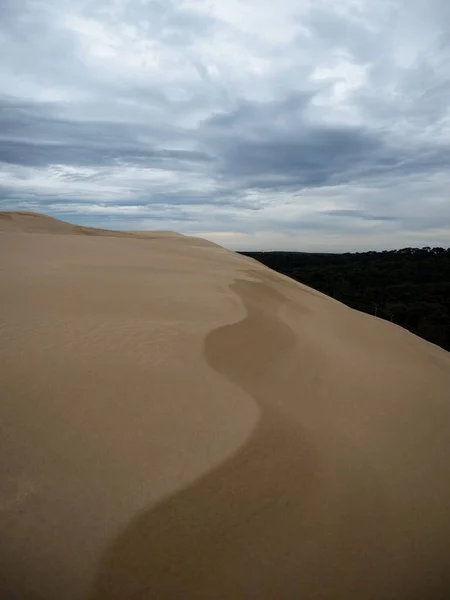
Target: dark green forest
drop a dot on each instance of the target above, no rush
(410, 287)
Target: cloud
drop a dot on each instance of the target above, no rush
(358, 214)
(290, 125)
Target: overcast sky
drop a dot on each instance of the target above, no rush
(258, 124)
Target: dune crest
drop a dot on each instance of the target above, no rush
(182, 422)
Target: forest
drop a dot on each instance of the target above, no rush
(410, 287)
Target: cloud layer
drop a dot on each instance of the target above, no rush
(292, 125)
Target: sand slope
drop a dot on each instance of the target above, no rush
(180, 422)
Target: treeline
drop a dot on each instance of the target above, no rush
(410, 287)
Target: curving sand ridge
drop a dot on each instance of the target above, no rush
(29, 222)
(181, 422)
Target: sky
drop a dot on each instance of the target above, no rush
(316, 125)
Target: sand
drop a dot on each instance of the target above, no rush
(180, 422)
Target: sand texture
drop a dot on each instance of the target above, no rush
(180, 422)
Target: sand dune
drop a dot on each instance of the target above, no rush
(180, 422)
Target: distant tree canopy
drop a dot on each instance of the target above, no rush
(410, 287)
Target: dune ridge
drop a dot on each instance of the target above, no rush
(183, 422)
(30, 222)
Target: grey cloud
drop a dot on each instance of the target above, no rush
(31, 135)
(96, 153)
(252, 114)
(357, 214)
(357, 38)
(271, 144)
(313, 157)
(268, 145)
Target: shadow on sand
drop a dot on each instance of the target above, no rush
(279, 519)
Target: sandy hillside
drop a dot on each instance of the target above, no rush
(181, 423)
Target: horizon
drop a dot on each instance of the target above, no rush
(289, 127)
(244, 251)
